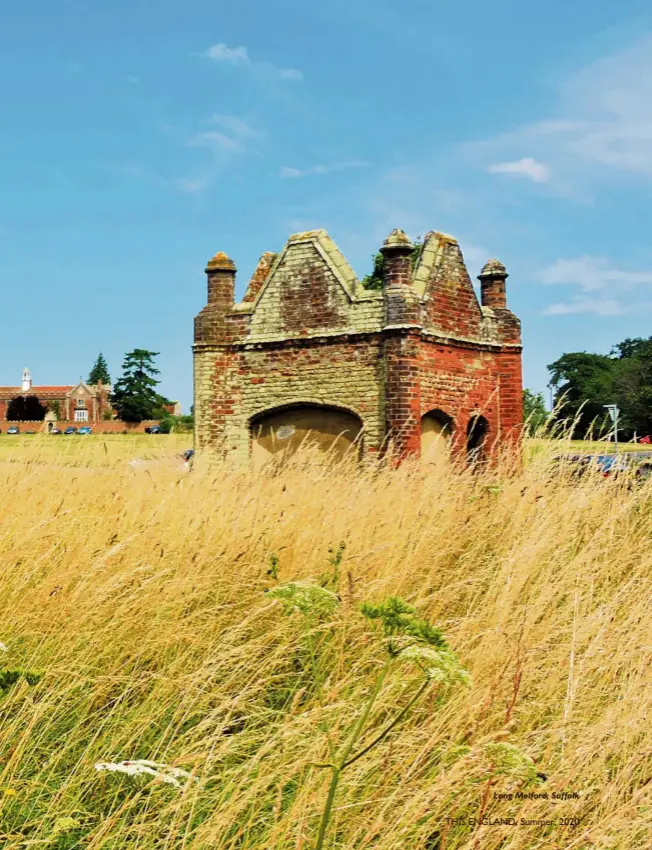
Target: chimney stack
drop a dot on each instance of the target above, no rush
(492, 284)
(397, 251)
(221, 280)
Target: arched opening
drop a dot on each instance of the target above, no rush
(327, 429)
(476, 438)
(436, 433)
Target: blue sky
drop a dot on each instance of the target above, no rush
(139, 138)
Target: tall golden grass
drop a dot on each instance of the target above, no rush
(139, 593)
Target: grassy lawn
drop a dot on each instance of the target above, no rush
(139, 621)
(535, 447)
(91, 449)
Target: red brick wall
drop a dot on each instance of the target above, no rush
(419, 376)
(452, 305)
(94, 406)
(461, 380)
(403, 395)
(341, 372)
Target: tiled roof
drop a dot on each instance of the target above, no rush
(34, 390)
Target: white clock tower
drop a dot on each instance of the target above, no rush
(27, 380)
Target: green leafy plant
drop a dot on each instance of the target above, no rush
(336, 556)
(406, 640)
(375, 279)
(273, 566)
(9, 677)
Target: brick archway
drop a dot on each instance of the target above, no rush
(437, 430)
(477, 432)
(284, 429)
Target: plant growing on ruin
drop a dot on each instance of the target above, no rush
(406, 641)
(375, 279)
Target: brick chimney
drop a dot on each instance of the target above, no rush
(397, 251)
(210, 324)
(492, 284)
(221, 280)
(402, 302)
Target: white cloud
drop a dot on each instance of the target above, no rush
(606, 290)
(193, 186)
(235, 125)
(593, 274)
(601, 125)
(214, 140)
(526, 167)
(222, 53)
(289, 172)
(290, 74)
(222, 148)
(595, 306)
(240, 56)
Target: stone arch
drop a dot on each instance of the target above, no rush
(477, 431)
(437, 430)
(284, 428)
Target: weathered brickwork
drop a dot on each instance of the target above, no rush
(308, 333)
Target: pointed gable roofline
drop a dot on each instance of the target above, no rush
(331, 255)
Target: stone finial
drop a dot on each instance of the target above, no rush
(220, 262)
(492, 283)
(397, 239)
(493, 268)
(397, 251)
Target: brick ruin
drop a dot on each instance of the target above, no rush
(418, 364)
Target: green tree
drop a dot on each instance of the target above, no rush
(99, 372)
(55, 407)
(26, 409)
(534, 410)
(134, 396)
(632, 386)
(590, 381)
(583, 385)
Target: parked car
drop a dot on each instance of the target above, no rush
(86, 429)
(153, 429)
(609, 465)
(54, 431)
(646, 440)
(14, 429)
(70, 430)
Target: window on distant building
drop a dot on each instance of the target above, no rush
(81, 402)
(81, 416)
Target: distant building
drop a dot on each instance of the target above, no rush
(174, 408)
(80, 402)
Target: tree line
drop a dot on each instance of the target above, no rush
(583, 383)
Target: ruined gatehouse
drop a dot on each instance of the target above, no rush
(311, 354)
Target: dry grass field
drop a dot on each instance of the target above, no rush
(137, 624)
